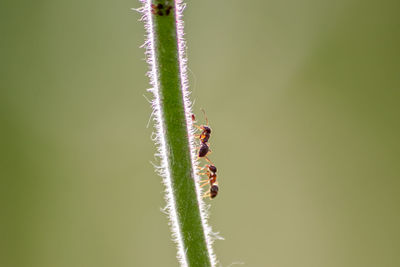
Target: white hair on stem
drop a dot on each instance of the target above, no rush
(209, 234)
(163, 169)
(158, 138)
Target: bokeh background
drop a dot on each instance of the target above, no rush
(303, 98)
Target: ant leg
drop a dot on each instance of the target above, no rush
(206, 194)
(206, 167)
(204, 184)
(198, 127)
(209, 161)
(194, 135)
(199, 158)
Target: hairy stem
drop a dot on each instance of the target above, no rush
(165, 54)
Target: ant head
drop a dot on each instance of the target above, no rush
(207, 129)
(212, 168)
(214, 190)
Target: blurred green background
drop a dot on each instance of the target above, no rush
(303, 98)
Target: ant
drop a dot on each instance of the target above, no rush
(203, 136)
(212, 180)
(206, 130)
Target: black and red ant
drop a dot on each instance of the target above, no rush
(204, 136)
(205, 129)
(212, 180)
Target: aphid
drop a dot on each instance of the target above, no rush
(168, 10)
(153, 9)
(157, 9)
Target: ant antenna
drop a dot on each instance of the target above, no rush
(205, 115)
(195, 80)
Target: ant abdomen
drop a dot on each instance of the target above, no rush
(203, 150)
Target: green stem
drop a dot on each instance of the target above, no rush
(165, 47)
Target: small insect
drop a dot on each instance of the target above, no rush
(212, 180)
(204, 136)
(168, 10)
(205, 129)
(211, 173)
(159, 8)
(204, 149)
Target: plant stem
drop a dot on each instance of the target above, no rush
(165, 49)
